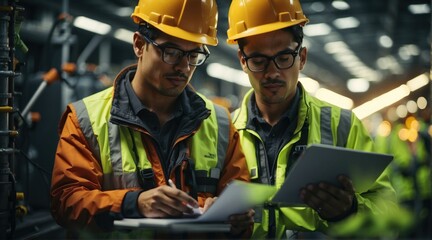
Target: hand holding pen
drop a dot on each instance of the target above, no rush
(165, 201)
(195, 210)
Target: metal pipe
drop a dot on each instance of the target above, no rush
(6, 218)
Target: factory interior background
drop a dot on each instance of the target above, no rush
(372, 57)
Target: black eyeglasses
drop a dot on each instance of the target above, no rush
(282, 60)
(173, 55)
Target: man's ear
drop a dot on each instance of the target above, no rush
(303, 57)
(242, 61)
(138, 44)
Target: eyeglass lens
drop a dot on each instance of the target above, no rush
(260, 63)
(174, 56)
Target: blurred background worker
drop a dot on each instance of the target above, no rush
(410, 173)
(277, 119)
(119, 147)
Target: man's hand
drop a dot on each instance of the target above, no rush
(165, 201)
(329, 201)
(241, 223)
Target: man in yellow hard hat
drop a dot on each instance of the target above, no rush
(277, 119)
(119, 148)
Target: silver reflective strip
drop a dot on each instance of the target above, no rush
(119, 178)
(121, 181)
(223, 134)
(326, 131)
(86, 128)
(343, 127)
(115, 148)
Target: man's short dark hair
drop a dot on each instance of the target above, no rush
(148, 30)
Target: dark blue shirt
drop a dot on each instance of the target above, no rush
(162, 135)
(274, 137)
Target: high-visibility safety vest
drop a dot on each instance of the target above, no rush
(326, 124)
(114, 145)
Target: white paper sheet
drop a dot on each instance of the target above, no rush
(238, 197)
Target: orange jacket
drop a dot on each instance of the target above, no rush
(77, 195)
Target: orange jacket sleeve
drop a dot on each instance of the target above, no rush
(76, 184)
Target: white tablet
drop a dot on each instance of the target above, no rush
(324, 163)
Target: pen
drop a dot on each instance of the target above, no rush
(171, 184)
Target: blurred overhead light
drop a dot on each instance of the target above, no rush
(318, 29)
(392, 96)
(340, 5)
(388, 63)
(92, 25)
(358, 85)
(310, 85)
(334, 98)
(347, 22)
(123, 11)
(421, 102)
(228, 74)
(336, 47)
(418, 82)
(124, 35)
(317, 7)
(407, 51)
(347, 58)
(412, 106)
(402, 111)
(385, 41)
(382, 101)
(419, 8)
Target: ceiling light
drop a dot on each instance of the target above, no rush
(407, 51)
(421, 102)
(123, 11)
(317, 7)
(340, 5)
(392, 115)
(345, 57)
(343, 54)
(382, 101)
(347, 22)
(334, 98)
(318, 29)
(358, 85)
(401, 111)
(411, 106)
(386, 63)
(385, 41)
(310, 85)
(335, 47)
(230, 74)
(419, 8)
(418, 82)
(92, 25)
(124, 35)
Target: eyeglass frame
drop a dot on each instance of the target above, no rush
(206, 52)
(294, 53)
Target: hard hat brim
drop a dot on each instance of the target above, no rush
(264, 29)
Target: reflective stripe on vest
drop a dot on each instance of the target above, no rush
(326, 135)
(111, 144)
(344, 125)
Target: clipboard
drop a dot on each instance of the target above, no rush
(324, 163)
(238, 197)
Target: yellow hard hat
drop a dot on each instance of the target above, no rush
(192, 20)
(252, 17)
